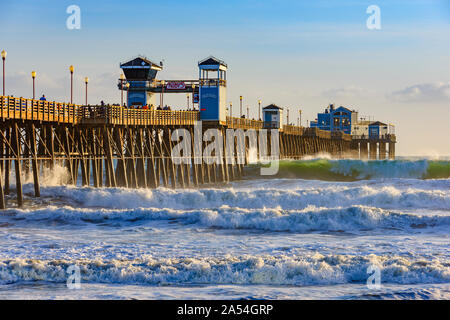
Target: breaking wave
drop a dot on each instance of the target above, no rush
(304, 269)
(287, 194)
(351, 170)
(312, 218)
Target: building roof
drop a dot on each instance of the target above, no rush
(341, 107)
(141, 61)
(211, 60)
(272, 106)
(378, 123)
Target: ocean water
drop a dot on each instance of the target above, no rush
(314, 231)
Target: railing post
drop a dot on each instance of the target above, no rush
(20, 108)
(26, 109)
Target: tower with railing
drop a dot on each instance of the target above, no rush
(140, 74)
(213, 90)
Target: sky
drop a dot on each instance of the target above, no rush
(301, 55)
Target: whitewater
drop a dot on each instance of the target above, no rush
(310, 232)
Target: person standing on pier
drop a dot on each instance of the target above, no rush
(43, 98)
(102, 108)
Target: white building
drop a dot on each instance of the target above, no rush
(361, 128)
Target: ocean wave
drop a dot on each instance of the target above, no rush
(351, 170)
(312, 218)
(263, 195)
(307, 269)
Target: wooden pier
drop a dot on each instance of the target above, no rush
(112, 146)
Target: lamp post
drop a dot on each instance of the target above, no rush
(300, 119)
(163, 83)
(122, 78)
(248, 112)
(287, 116)
(86, 80)
(231, 109)
(193, 99)
(71, 84)
(240, 110)
(3, 58)
(33, 76)
(259, 110)
(187, 100)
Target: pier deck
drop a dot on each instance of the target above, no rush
(113, 146)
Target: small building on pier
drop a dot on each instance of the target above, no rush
(273, 117)
(360, 128)
(332, 119)
(377, 130)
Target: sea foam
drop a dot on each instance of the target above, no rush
(296, 270)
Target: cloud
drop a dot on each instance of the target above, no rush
(346, 92)
(437, 91)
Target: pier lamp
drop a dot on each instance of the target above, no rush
(193, 93)
(248, 112)
(71, 84)
(33, 76)
(122, 78)
(231, 109)
(86, 80)
(240, 99)
(187, 100)
(259, 109)
(287, 116)
(300, 118)
(3, 58)
(163, 83)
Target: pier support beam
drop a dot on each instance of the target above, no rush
(32, 142)
(2, 194)
(373, 150)
(392, 150)
(363, 151)
(17, 164)
(382, 152)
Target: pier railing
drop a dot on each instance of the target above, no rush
(288, 129)
(341, 135)
(29, 109)
(124, 116)
(383, 137)
(242, 123)
(316, 132)
(50, 111)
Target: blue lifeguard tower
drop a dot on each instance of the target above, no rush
(213, 90)
(139, 72)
